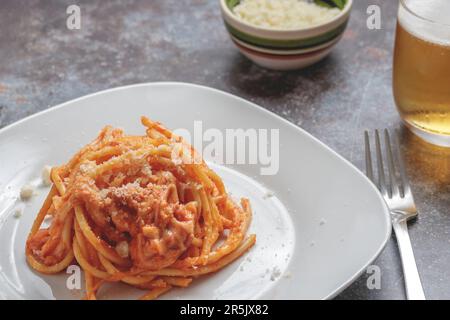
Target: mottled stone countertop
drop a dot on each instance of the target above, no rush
(130, 41)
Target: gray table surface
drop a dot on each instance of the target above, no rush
(42, 64)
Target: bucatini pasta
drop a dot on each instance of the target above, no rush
(125, 210)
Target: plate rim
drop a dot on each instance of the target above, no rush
(254, 106)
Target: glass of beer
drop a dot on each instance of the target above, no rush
(421, 73)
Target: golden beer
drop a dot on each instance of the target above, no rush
(421, 74)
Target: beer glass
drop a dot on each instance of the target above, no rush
(421, 72)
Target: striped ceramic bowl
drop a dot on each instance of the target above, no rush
(284, 49)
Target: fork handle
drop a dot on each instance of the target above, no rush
(414, 290)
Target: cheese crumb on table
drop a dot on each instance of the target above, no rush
(17, 213)
(268, 194)
(46, 172)
(275, 274)
(26, 192)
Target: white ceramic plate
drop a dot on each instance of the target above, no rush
(325, 223)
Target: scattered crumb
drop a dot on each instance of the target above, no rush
(322, 222)
(122, 249)
(45, 175)
(312, 244)
(268, 194)
(276, 272)
(241, 268)
(18, 213)
(26, 192)
(287, 275)
(87, 167)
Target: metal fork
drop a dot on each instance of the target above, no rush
(397, 194)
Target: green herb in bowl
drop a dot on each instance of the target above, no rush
(324, 3)
(328, 3)
(288, 34)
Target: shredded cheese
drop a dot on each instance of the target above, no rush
(283, 14)
(26, 192)
(46, 171)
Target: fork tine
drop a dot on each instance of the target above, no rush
(401, 165)
(380, 167)
(394, 189)
(369, 169)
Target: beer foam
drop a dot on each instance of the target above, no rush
(438, 11)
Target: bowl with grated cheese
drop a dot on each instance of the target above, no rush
(285, 34)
